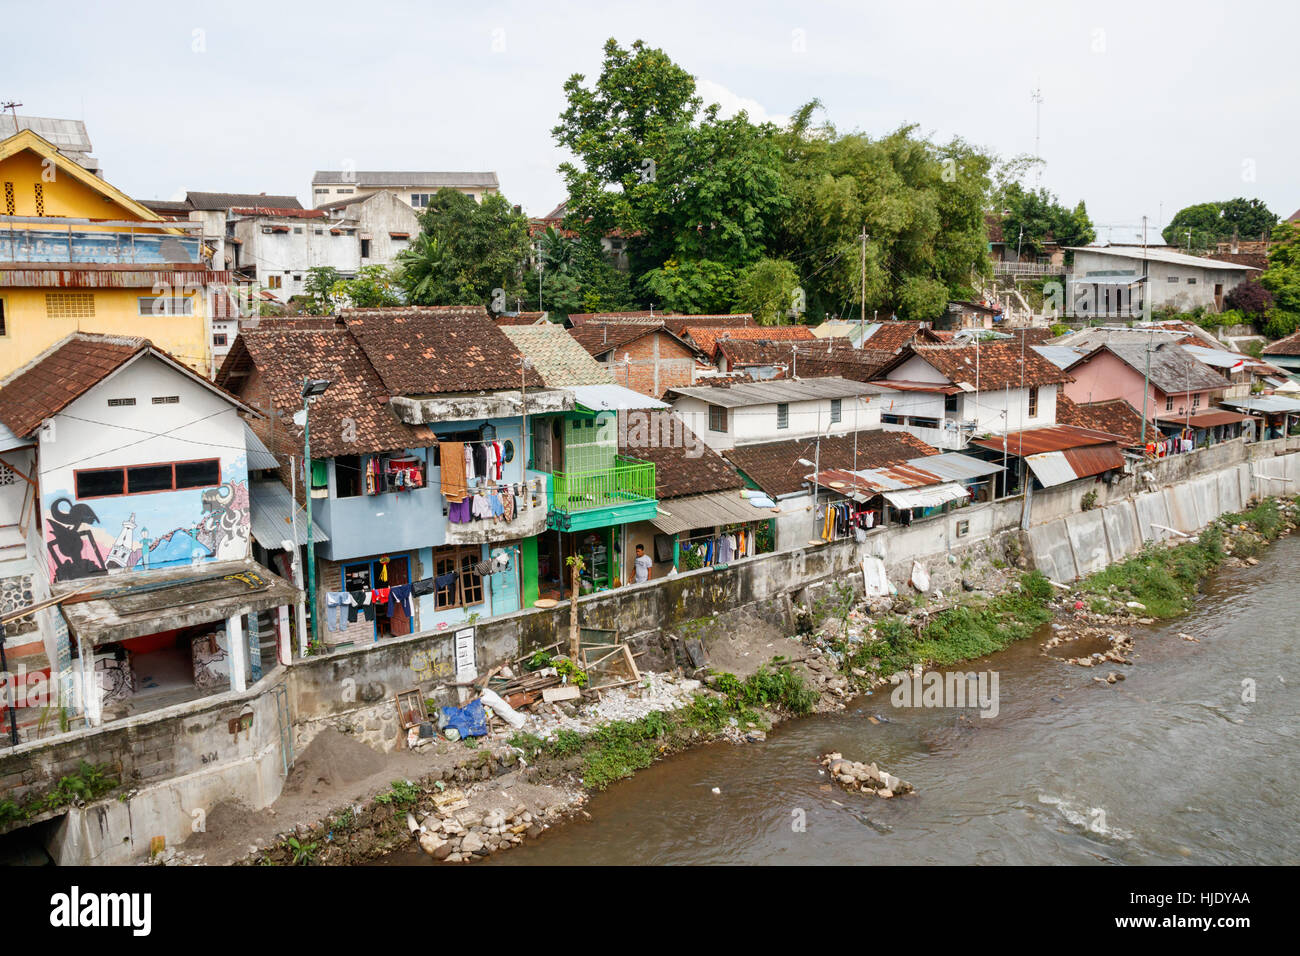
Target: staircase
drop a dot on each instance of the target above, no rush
(13, 551)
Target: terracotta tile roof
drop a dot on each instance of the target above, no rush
(892, 336)
(1033, 335)
(519, 318)
(600, 338)
(681, 468)
(707, 336)
(355, 406)
(214, 201)
(438, 349)
(582, 318)
(1115, 415)
(999, 365)
(61, 375)
(679, 323)
(557, 356)
(819, 358)
(775, 468)
(1287, 346)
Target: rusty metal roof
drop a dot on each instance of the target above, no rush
(1204, 419)
(1033, 441)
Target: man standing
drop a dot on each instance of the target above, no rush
(643, 564)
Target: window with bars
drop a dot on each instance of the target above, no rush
(9, 199)
(783, 415)
(837, 409)
(69, 305)
(40, 199)
(166, 399)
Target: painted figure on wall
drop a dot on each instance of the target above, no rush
(69, 535)
(223, 529)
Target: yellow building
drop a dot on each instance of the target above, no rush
(76, 254)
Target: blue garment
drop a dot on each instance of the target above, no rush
(498, 509)
(335, 602)
(400, 597)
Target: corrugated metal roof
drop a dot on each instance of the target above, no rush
(1160, 255)
(931, 497)
(903, 385)
(1059, 355)
(1107, 279)
(1204, 419)
(1094, 460)
(706, 511)
(920, 472)
(400, 178)
(1269, 404)
(259, 457)
(605, 398)
(270, 509)
(1051, 468)
(781, 390)
(1035, 441)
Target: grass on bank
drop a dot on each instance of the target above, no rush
(620, 748)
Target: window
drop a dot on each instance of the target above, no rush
(782, 415)
(950, 404)
(365, 248)
(9, 199)
(267, 230)
(1191, 280)
(69, 305)
(166, 399)
(467, 589)
(120, 402)
(1173, 279)
(1033, 401)
(273, 281)
(837, 409)
(1196, 401)
(318, 232)
(887, 419)
(1169, 403)
(297, 230)
(297, 278)
(420, 200)
(219, 338)
(40, 199)
(3, 328)
(147, 479)
(165, 305)
(345, 192)
(321, 192)
(717, 418)
(963, 527)
(925, 422)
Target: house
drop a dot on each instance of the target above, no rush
(415, 189)
(705, 516)
(1160, 379)
(600, 482)
(727, 415)
(764, 359)
(1052, 455)
(412, 391)
(1285, 354)
(646, 357)
(276, 247)
(1118, 280)
(138, 523)
(968, 315)
(946, 393)
(212, 210)
(77, 253)
(381, 225)
(780, 471)
(706, 337)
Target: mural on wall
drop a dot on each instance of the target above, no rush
(111, 536)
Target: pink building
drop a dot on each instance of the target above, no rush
(1176, 382)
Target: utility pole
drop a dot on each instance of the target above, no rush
(1146, 383)
(12, 107)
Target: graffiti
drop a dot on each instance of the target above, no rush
(206, 524)
(206, 652)
(426, 668)
(69, 536)
(223, 529)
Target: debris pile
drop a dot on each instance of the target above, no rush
(458, 832)
(864, 777)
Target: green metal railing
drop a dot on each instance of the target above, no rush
(629, 480)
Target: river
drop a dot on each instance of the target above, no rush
(1169, 766)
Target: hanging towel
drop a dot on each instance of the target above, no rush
(452, 456)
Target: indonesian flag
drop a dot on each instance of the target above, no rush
(1241, 363)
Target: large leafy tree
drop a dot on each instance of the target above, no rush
(374, 287)
(465, 252)
(319, 287)
(770, 290)
(1032, 217)
(1282, 277)
(1202, 225)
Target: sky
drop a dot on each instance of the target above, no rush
(1146, 107)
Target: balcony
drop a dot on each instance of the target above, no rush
(123, 247)
(602, 497)
(529, 518)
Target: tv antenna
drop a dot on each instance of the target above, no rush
(1036, 96)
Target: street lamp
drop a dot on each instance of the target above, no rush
(311, 388)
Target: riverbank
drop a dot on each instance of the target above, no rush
(515, 786)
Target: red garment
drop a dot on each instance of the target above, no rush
(379, 596)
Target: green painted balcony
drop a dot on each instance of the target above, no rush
(596, 499)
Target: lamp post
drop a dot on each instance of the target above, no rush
(311, 387)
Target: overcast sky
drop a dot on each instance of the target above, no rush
(1147, 107)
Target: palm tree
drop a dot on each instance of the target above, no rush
(420, 269)
(557, 250)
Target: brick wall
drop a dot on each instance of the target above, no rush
(657, 363)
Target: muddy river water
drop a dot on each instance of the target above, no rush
(1171, 765)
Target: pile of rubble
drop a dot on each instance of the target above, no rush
(864, 777)
(655, 692)
(458, 832)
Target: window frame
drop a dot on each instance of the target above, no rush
(1033, 401)
(4, 318)
(718, 412)
(1169, 403)
(782, 414)
(837, 410)
(146, 311)
(124, 469)
(461, 594)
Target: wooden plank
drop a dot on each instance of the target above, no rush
(564, 692)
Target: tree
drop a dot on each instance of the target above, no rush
(692, 287)
(1282, 279)
(1250, 298)
(318, 287)
(769, 289)
(1202, 225)
(375, 287)
(467, 252)
(1042, 218)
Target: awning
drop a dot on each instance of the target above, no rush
(929, 497)
(1051, 468)
(1058, 467)
(122, 606)
(270, 507)
(1204, 419)
(1266, 404)
(705, 511)
(606, 398)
